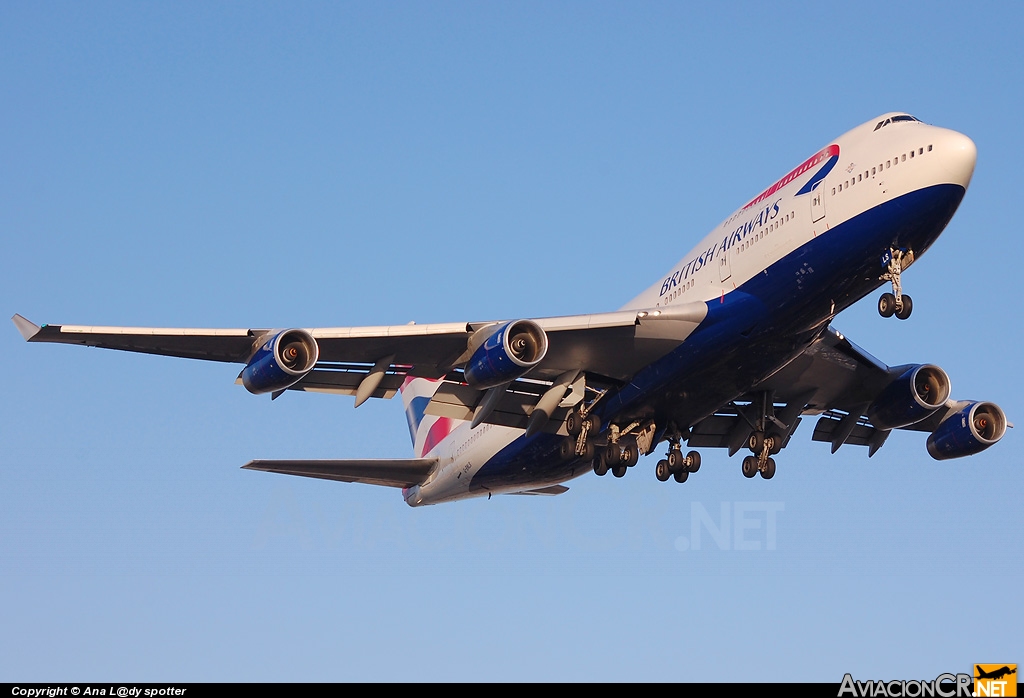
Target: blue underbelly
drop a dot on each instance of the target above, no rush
(750, 332)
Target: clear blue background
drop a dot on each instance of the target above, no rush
(236, 165)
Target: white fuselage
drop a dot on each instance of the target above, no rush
(874, 164)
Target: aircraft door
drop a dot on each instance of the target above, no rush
(724, 265)
(818, 202)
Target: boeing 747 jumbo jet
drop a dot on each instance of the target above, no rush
(729, 348)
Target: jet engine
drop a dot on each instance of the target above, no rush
(280, 362)
(916, 394)
(508, 353)
(975, 427)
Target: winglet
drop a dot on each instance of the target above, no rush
(27, 328)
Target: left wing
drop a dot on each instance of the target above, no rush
(375, 361)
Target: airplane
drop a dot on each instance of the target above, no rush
(730, 348)
(996, 674)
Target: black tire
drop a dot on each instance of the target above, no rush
(676, 462)
(756, 442)
(595, 423)
(749, 466)
(613, 454)
(681, 476)
(573, 423)
(600, 466)
(619, 470)
(777, 440)
(589, 450)
(567, 449)
(769, 469)
(694, 459)
(908, 308)
(886, 305)
(630, 453)
(662, 471)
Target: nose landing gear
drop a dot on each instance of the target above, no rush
(896, 303)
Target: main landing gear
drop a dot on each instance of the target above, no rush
(769, 434)
(763, 447)
(582, 426)
(896, 303)
(676, 465)
(624, 447)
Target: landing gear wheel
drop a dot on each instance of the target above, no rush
(574, 423)
(589, 450)
(630, 453)
(619, 470)
(662, 471)
(600, 466)
(769, 469)
(676, 462)
(887, 305)
(681, 476)
(567, 449)
(908, 307)
(613, 454)
(595, 423)
(694, 461)
(776, 438)
(756, 442)
(749, 466)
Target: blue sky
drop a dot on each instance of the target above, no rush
(270, 165)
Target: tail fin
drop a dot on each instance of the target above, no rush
(426, 431)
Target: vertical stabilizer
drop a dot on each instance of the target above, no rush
(426, 431)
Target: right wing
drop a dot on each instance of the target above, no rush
(840, 383)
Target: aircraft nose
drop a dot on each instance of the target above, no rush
(960, 154)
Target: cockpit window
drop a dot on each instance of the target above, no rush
(901, 117)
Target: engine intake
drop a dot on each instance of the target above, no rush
(972, 429)
(280, 362)
(916, 394)
(509, 352)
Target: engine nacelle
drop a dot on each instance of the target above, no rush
(910, 398)
(508, 353)
(974, 428)
(280, 362)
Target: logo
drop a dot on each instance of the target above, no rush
(995, 680)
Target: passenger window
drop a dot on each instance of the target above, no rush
(920, 151)
(911, 154)
(904, 157)
(929, 148)
(872, 170)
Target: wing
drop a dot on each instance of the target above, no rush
(404, 472)
(853, 394)
(607, 348)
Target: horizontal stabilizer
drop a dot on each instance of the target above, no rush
(400, 472)
(550, 491)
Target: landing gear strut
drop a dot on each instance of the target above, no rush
(895, 303)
